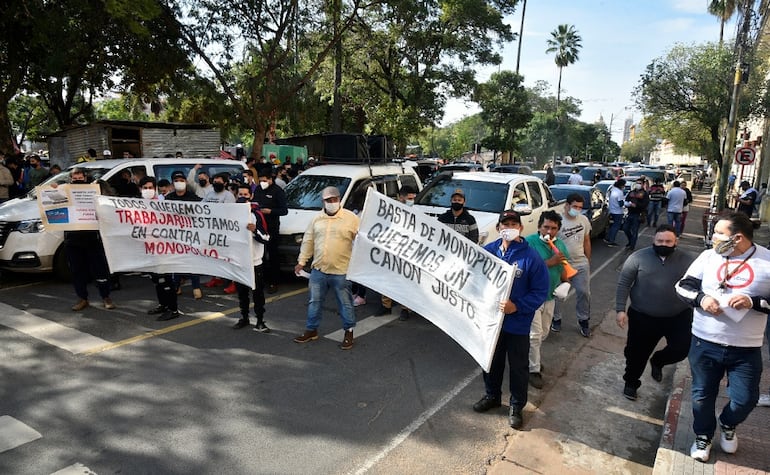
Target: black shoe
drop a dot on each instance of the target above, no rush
(261, 328)
(242, 323)
(556, 326)
(272, 288)
(656, 372)
(169, 315)
(160, 309)
(585, 330)
(404, 315)
(486, 403)
(536, 380)
(515, 418)
(629, 392)
(382, 311)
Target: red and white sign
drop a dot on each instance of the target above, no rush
(745, 156)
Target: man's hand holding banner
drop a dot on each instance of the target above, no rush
(434, 271)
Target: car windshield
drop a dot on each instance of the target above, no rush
(479, 195)
(64, 177)
(561, 193)
(304, 192)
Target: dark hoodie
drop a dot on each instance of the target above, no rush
(464, 224)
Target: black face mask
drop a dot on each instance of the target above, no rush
(241, 199)
(218, 187)
(663, 251)
(78, 182)
(457, 206)
(203, 182)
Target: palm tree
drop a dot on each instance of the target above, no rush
(565, 42)
(722, 9)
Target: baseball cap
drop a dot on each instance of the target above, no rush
(329, 192)
(458, 191)
(178, 174)
(509, 214)
(107, 153)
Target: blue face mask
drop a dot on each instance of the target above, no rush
(574, 213)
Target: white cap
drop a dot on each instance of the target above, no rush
(107, 153)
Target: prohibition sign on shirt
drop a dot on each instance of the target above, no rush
(742, 277)
(745, 156)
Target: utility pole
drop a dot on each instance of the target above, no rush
(521, 34)
(732, 126)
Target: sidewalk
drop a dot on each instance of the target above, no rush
(753, 456)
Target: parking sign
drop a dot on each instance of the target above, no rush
(744, 156)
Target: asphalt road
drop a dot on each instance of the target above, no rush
(116, 391)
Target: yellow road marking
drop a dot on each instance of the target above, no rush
(180, 326)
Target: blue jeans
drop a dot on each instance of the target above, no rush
(581, 282)
(617, 221)
(675, 220)
(709, 362)
(516, 348)
(653, 210)
(631, 228)
(320, 283)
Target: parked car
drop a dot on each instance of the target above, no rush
(462, 167)
(605, 185)
(303, 195)
(560, 178)
(522, 169)
(486, 196)
(666, 177)
(594, 208)
(25, 246)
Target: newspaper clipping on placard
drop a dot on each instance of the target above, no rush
(433, 270)
(68, 207)
(168, 236)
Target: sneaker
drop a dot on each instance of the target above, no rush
(764, 400)
(261, 327)
(382, 311)
(656, 372)
(242, 323)
(536, 380)
(358, 301)
(230, 289)
(197, 294)
(585, 330)
(515, 418)
(728, 441)
(701, 448)
(169, 315)
(609, 243)
(108, 304)
(80, 305)
(556, 326)
(629, 392)
(214, 282)
(404, 315)
(160, 309)
(486, 403)
(309, 335)
(347, 341)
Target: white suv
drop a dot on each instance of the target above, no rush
(487, 194)
(303, 195)
(25, 246)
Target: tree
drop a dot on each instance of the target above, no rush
(505, 109)
(724, 10)
(565, 43)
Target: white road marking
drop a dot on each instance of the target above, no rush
(411, 428)
(75, 469)
(53, 333)
(363, 327)
(14, 433)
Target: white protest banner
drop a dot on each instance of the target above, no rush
(434, 271)
(68, 207)
(165, 236)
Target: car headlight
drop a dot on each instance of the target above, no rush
(29, 226)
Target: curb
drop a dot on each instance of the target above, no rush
(666, 456)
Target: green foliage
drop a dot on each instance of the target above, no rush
(505, 109)
(565, 43)
(30, 118)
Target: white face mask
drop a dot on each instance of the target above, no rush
(409, 202)
(148, 194)
(332, 208)
(509, 234)
(180, 185)
(264, 185)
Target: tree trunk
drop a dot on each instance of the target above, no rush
(7, 140)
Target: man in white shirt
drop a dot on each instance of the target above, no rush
(615, 198)
(575, 178)
(676, 200)
(219, 192)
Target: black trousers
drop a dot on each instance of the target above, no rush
(272, 260)
(516, 349)
(165, 290)
(87, 261)
(644, 333)
(258, 295)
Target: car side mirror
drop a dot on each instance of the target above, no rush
(523, 209)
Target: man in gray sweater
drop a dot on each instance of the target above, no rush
(649, 276)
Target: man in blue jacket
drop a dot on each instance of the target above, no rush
(529, 291)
